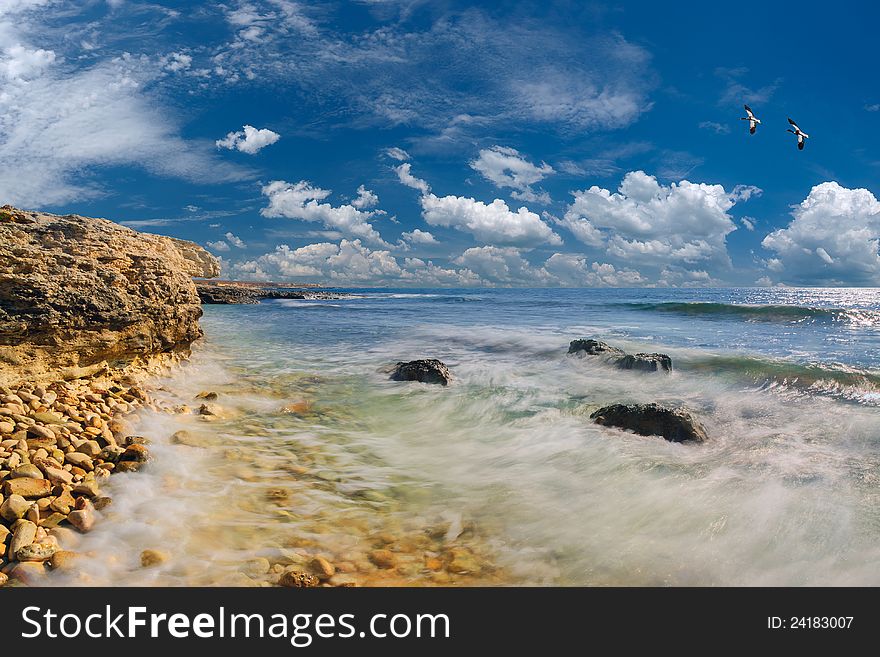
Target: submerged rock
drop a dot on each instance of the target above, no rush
(429, 370)
(675, 425)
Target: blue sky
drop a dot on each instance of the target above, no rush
(408, 143)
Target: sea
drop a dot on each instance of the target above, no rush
(501, 478)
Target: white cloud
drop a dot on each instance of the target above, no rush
(418, 236)
(833, 239)
(404, 173)
(19, 63)
(742, 193)
(219, 245)
(506, 167)
(501, 265)
(874, 107)
(573, 270)
(494, 223)
(235, 241)
(653, 224)
(396, 153)
(176, 62)
(349, 262)
(59, 125)
(249, 140)
(302, 201)
(748, 223)
(365, 199)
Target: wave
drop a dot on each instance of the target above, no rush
(827, 379)
(762, 313)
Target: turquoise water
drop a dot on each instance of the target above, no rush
(505, 460)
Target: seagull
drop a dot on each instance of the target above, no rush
(751, 118)
(801, 135)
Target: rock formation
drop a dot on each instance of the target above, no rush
(78, 295)
(239, 293)
(675, 425)
(615, 356)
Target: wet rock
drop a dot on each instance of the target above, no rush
(31, 573)
(83, 518)
(297, 579)
(646, 362)
(322, 568)
(88, 487)
(36, 552)
(297, 408)
(151, 558)
(57, 475)
(383, 558)
(675, 425)
(184, 437)
(255, 567)
(463, 561)
(4, 578)
(207, 396)
(63, 559)
(137, 453)
(593, 348)
(428, 370)
(79, 459)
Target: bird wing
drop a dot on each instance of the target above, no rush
(793, 123)
(749, 111)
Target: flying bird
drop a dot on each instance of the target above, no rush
(751, 118)
(801, 135)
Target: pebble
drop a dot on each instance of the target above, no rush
(383, 558)
(63, 559)
(322, 568)
(14, 507)
(151, 558)
(36, 552)
(24, 534)
(27, 487)
(83, 518)
(27, 470)
(296, 579)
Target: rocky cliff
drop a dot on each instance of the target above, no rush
(78, 295)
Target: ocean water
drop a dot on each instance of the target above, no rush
(504, 465)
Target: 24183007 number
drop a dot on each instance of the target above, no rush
(810, 622)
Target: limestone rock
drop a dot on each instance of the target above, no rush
(78, 295)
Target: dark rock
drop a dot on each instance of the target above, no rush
(428, 370)
(646, 362)
(593, 348)
(240, 293)
(675, 425)
(643, 362)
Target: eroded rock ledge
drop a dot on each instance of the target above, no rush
(79, 295)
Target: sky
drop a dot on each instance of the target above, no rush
(413, 143)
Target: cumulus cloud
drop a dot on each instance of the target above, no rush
(504, 265)
(494, 222)
(303, 201)
(365, 198)
(506, 167)
(248, 140)
(404, 173)
(176, 62)
(653, 224)
(418, 236)
(219, 245)
(346, 263)
(19, 63)
(235, 241)
(575, 270)
(833, 239)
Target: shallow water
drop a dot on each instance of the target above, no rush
(504, 465)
